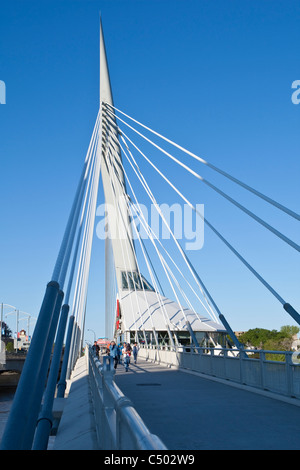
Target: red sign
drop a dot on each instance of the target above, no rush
(103, 342)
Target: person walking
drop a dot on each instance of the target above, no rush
(135, 352)
(120, 353)
(126, 356)
(96, 348)
(113, 352)
(126, 360)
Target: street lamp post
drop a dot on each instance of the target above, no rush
(93, 332)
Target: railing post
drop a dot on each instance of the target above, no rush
(262, 368)
(225, 355)
(120, 425)
(289, 374)
(242, 375)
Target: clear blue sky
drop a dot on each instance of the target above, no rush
(213, 76)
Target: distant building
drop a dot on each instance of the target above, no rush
(296, 343)
(22, 341)
(239, 333)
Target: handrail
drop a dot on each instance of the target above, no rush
(213, 350)
(118, 424)
(281, 377)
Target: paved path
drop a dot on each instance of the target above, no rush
(190, 412)
(77, 429)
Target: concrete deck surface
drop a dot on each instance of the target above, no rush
(77, 429)
(186, 411)
(190, 412)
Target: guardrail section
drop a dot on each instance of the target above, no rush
(256, 368)
(119, 426)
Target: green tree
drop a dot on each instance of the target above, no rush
(290, 330)
(10, 347)
(272, 340)
(6, 331)
(256, 337)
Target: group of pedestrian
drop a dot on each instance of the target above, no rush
(119, 353)
(127, 350)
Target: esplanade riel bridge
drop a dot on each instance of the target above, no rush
(194, 385)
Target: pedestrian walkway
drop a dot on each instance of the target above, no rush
(191, 412)
(77, 429)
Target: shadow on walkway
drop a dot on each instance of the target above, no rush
(189, 412)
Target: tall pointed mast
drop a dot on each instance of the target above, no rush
(114, 183)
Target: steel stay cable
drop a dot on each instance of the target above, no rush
(188, 262)
(84, 216)
(66, 237)
(226, 196)
(78, 296)
(151, 196)
(150, 272)
(215, 168)
(259, 277)
(149, 191)
(151, 232)
(110, 168)
(118, 143)
(69, 247)
(195, 274)
(91, 229)
(289, 308)
(164, 263)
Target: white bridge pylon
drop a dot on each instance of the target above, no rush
(142, 312)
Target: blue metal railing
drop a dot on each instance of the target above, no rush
(118, 424)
